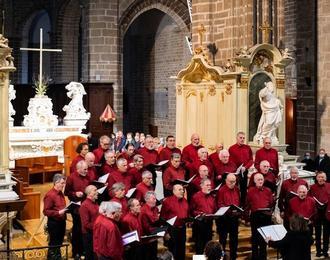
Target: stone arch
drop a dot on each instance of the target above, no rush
(176, 9)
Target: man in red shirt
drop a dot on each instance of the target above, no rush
(173, 172)
(120, 175)
(92, 173)
(259, 202)
(169, 149)
(202, 160)
(195, 185)
(202, 203)
(241, 154)
(320, 191)
(224, 166)
(54, 210)
(269, 154)
(214, 157)
(228, 195)
(289, 186)
(137, 169)
(269, 177)
(89, 210)
(118, 194)
(303, 205)
(150, 221)
(189, 152)
(128, 154)
(107, 240)
(103, 147)
(74, 189)
(176, 205)
(131, 222)
(82, 150)
(109, 165)
(143, 187)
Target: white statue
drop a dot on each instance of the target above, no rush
(11, 96)
(75, 112)
(271, 117)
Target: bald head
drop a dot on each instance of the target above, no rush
(231, 180)
(89, 159)
(178, 191)
(302, 191)
(82, 168)
(195, 139)
(218, 147)
(202, 154)
(203, 171)
(264, 166)
(224, 156)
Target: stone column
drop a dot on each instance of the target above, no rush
(6, 66)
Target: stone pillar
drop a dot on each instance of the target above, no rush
(6, 66)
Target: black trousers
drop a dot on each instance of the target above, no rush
(228, 225)
(322, 229)
(259, 246)
(134, 251)
(203, 234)
(88, 245)
(149, 250)
(77, 241)
(243, 186)
(56, 231)
(177, 242)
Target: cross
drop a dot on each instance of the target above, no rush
(40, 50)
(201, 30)
(266, 28)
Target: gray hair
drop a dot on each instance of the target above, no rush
(81, 164)
(109, 207)
(204, 180)
(120, 161)
(130, 202)
(118, 186)
(201, 150)
(148, 195)
(137, 157)
(88, 189)
(58, 177)
(146, 174)
(107, 153)
(104, 137)
(294, 168)
(224, 152)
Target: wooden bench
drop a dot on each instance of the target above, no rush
(42, 167)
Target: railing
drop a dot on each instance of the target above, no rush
(36, 253)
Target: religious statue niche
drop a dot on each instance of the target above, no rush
(262, 61)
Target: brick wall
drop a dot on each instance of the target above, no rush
(323, 67)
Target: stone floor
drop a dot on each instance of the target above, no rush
(36, 226)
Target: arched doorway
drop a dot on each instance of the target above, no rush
(154, 49)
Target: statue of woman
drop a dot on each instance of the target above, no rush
(271, 116)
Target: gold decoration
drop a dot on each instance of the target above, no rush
(212, 90)
(2, 76)
(201, 95)
(266, 29)
(244, 82)
(179, 89)
(229, 88)
(190, 93)
(201, 30)
(223, 96)
(280, 83)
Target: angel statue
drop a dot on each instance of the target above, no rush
(271, 117)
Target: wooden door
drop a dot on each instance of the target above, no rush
(70, 145)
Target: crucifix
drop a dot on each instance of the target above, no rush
(40, 50)
(266, 29)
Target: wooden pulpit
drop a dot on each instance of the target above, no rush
(70, 145)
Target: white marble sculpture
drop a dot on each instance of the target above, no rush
(76, 114)
(11, 96)
(271, 116)
(40, 113)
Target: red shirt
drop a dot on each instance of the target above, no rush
(118, 176)
(195, 185)
(322, 194)
(149, 156)
(241, 154)
(327, 212)
(214, 159)
(172, 206)
(89, 210)
(107, 168)
(107, 240)
(141, 190)
(303, 207)
(54, 201)
(99, 154)
(123, 203)
(165, 153)
(258, 198)
(189, 154)
(171, 174)
(149, 219)
(74, 163)
(288, 186)
(194, 168)
(227, 197)
(76, 182)
(202, 203)
(132, 222)
(222, 168)
(270, 155)
(136, 175)
(128, 158)
(92, 174)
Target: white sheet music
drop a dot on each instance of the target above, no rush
(130, 237)
(130, 192)
(171, 221)
(221, 211)
(103, 179)
(275, 232)
(101, 190)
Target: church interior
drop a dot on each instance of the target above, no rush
(115, 74)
